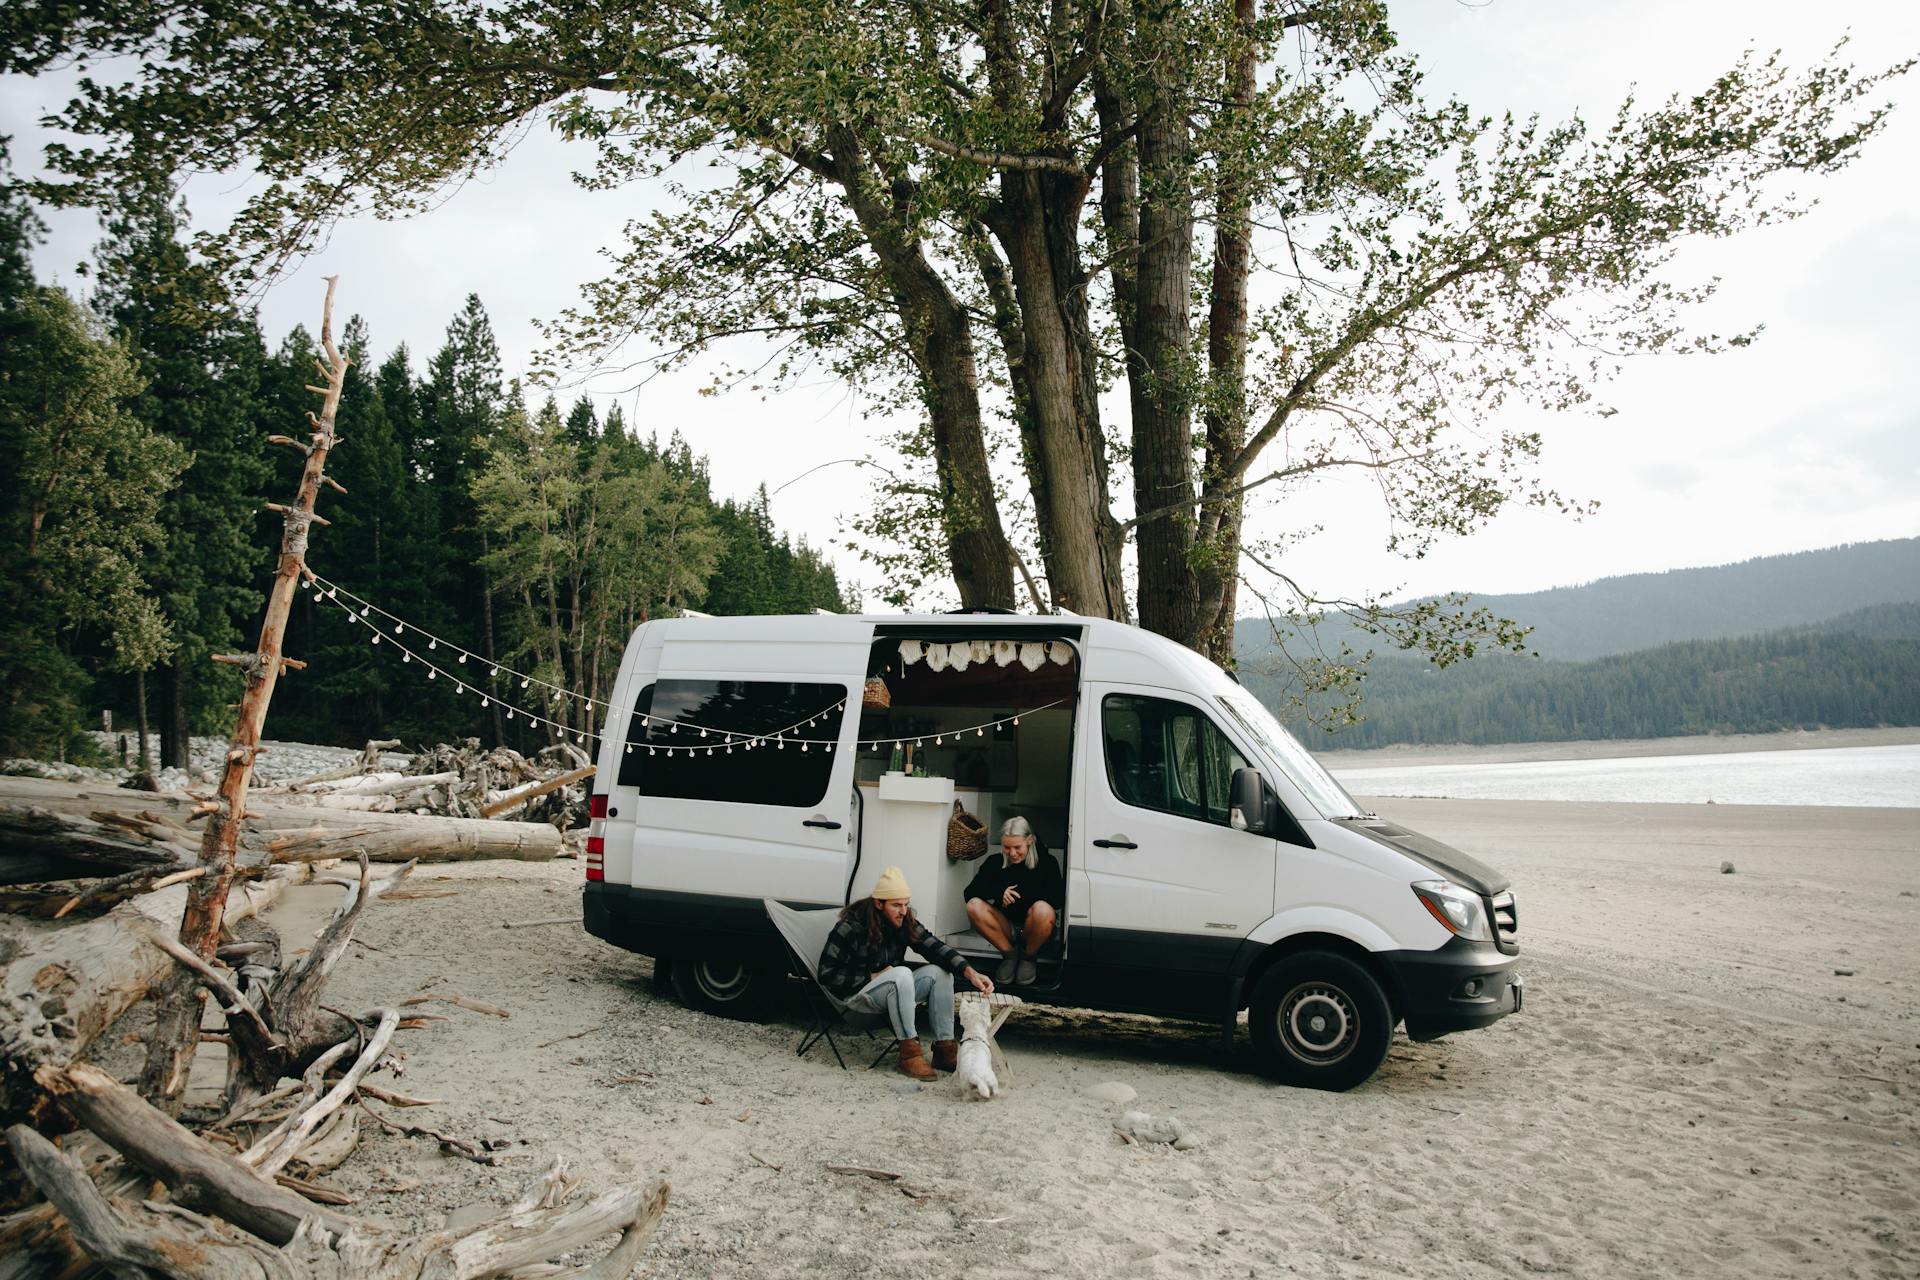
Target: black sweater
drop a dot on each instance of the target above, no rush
(1037, 879)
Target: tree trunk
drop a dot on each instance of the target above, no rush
(940, 336)
(175, 746)
(1035, 221)
(1218, 565)
(176, 1019)
(1160, 377)
(140, 717)
(486, 619)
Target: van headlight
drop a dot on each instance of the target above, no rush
(1459, 911)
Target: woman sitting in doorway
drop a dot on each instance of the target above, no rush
(1014, 901)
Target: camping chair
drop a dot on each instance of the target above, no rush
(806, 933)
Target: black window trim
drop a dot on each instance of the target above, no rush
(1163, 695)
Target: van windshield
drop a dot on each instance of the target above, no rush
(1301, 768)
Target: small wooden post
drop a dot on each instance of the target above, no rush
(177, 1018)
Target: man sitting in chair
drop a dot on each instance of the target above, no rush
(1018, 892)
(862, 964)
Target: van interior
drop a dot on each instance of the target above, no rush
(1000, 726)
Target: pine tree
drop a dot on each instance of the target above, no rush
(199, 360)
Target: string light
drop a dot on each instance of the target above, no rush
(569, 734)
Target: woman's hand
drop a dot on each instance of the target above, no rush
(981, 982)
(1011, 896)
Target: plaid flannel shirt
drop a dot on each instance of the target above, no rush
(849, 961)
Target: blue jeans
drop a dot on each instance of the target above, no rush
(896, 991)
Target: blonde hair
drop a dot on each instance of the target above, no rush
(1019, 828)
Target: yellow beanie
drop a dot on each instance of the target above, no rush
(891, 884)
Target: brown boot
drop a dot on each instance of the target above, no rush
(946, 1054)
(913, 1063)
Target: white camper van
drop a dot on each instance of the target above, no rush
(1211, 865)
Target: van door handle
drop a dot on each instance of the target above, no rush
(828, 823)
(1121, 843)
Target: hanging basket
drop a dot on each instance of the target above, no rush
(966, 835)
(875, 697)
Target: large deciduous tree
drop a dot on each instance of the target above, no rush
(1000, 207)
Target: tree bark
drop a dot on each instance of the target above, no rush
(1160, 377)
(1217, 570)
(1036, 221)
(940, 337)
(175, 745)
(140, 696)
(176, 1019)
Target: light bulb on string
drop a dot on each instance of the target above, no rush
(433, 644)
(629, 748)
(376, 637)
(485, 701)
(494, 672)
(363, 610)
(523, 683)
(463, 657)
(399, 627)
(406, 657)
(433, 673)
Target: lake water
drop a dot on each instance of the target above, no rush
(1878, 777)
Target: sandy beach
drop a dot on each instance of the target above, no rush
(1691, 1090)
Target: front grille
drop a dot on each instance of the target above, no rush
(1506, 922)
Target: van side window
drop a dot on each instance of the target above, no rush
(1168, 756)
(672, 713)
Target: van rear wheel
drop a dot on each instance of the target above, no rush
(1320, 1021)
(730, 986)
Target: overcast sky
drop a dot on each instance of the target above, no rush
(1808, 439)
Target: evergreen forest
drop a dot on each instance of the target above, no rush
(135, 425)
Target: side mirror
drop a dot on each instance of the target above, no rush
(1251, 803)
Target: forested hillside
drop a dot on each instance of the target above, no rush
(1642, 610)
(135, 424)
(1860, 669)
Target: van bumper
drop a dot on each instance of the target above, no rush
(1459, 987)
(662, 922)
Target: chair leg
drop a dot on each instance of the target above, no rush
(891, 1045)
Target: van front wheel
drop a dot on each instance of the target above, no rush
(730, 986)
(1320, 1021)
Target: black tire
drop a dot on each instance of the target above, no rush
(1320, 1021)
(729, 986)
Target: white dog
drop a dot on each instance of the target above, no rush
(974, 1071)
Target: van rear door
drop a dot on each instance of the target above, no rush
(737, 761)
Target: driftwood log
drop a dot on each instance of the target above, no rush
(385, 837)
(62, 986)
(224, 1214)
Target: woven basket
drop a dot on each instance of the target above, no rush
(875, 696)
(966, 835)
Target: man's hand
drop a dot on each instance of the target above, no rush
(1011, 896)
(981, 982)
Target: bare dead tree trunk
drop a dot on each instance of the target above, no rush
(177, 1017)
